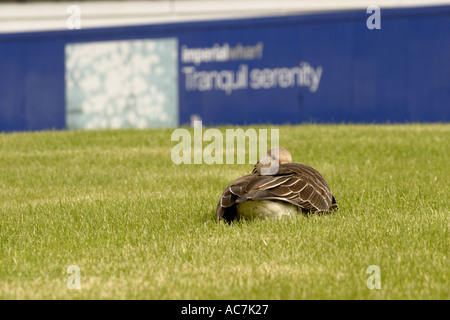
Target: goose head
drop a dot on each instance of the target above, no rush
(270, 162)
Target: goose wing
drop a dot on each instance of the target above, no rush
(295, 183)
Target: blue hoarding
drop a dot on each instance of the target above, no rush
(291, 69)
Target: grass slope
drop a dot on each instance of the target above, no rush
(140, 227)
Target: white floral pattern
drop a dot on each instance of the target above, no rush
(122, 84)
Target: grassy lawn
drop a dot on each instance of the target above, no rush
(140, 227)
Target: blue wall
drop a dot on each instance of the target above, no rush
(399, 73)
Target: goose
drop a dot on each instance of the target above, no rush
(277, 187)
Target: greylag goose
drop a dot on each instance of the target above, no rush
(290, 189)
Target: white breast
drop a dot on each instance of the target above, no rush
(266, 209)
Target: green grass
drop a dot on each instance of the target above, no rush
(140, 227)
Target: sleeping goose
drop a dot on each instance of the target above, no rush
(274, 191)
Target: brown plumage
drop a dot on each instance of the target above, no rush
(293, 183)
